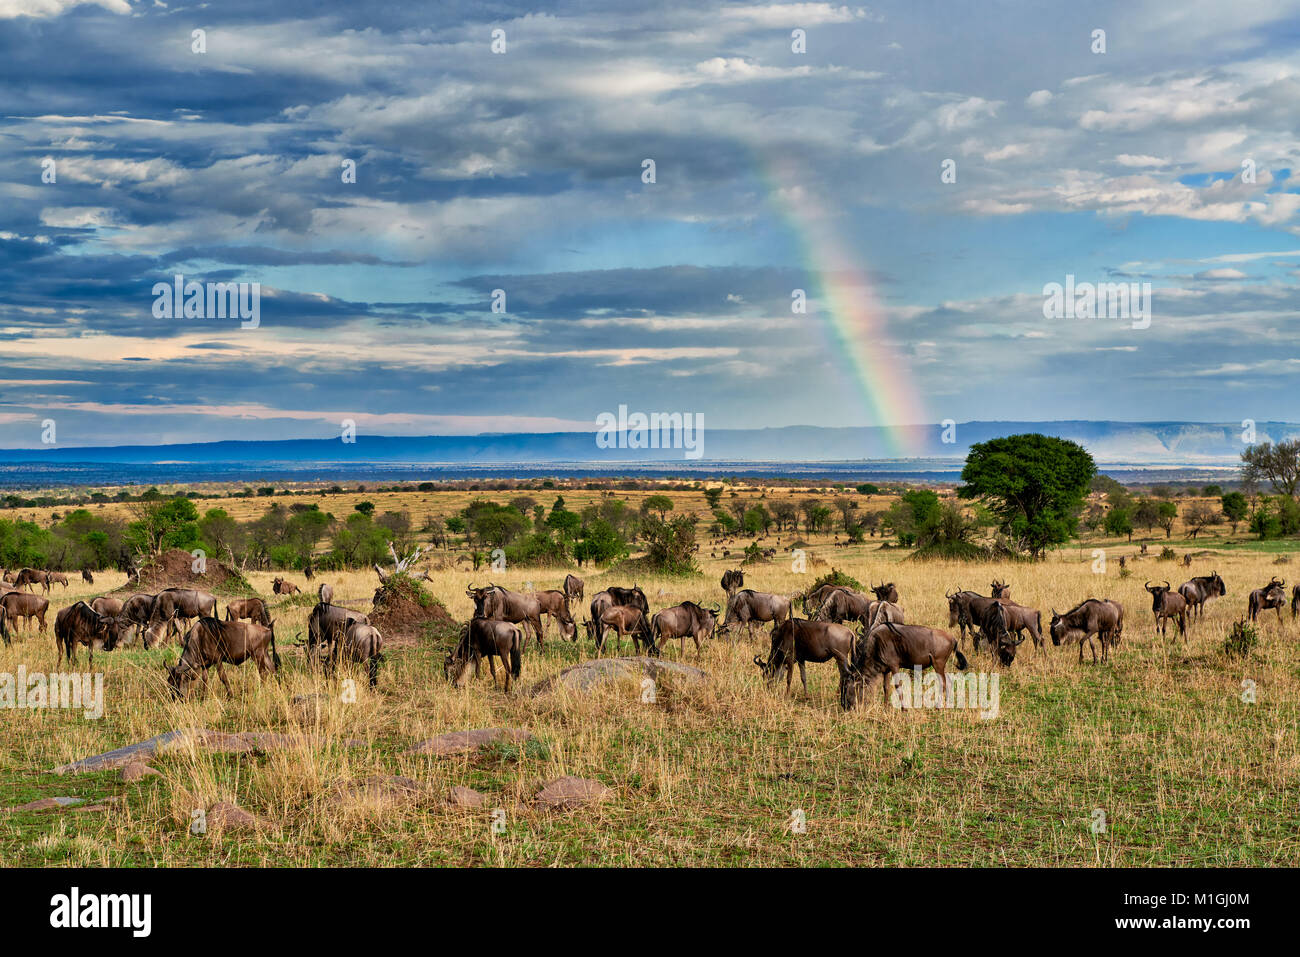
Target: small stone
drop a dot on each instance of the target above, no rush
(136, 771)
(459, 742)
(465, 797)
(568, 792)
(223, 814)
(47, 804)
(389, 789)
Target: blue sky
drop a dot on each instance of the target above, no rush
(522, 171)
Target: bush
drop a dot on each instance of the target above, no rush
(1240, 640)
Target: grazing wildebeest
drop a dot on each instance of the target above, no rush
(842, 604)
(632, 597)
(31, 576)
(325, 593)
(52, 577)
(1166, 604)
(688, 618)
(624, 620)
(505, 605)
(211, 641)
(87, 577)
(136, 611)
(362, 644)
(733, 580)
(18, 604)
(107, 605)
(254, 609)
(996, 628)
(798, 640)
(1199, 590)
(11, 577)
(574, 587)
(281, 586)
(749, 606)
(486, 638)
(999, 589)
(80, 624)
(173, 605)
(886, 591)
(326, 625)
(554, 604)
(966, 610)
(1261, 599)
(889, 647)
(603, 601)
(813, 601)
(1093, 616)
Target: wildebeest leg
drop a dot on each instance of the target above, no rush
(492, 667)
(789, 676)
(221, 673)
(505, 668)
(803, 676)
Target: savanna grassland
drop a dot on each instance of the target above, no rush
(1159, 738)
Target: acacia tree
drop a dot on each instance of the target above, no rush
(1279, 464)
(1034, 484)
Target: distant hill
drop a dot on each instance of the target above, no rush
(1135, 443)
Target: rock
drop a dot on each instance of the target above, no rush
(459, 742)
(589, 674)
(121, 756)
(465, 797)
(137, 770)
(46, 804)
(94, 807)
(567, 793)
(381, 788)
(224, 815)
(200, 738)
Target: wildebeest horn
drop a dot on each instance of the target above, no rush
(1020, 639)
(1147, 586)
(1168, 587)
(760, 662)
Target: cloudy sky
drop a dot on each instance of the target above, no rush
(774, 170)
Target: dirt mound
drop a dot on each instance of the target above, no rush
(176, 569)
(405, 613)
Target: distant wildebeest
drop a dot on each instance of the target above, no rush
(502, 604)
(281, 586)
(87, 577)
(486, 638)
(1166, 604)
(733, 580)
(886, 591)
(798, 641)
(31, 576)
(212, 642)
(177, 605)
(623, 620)
(999, 589)
(253, 609)
(361, 644)
(1093, 616)
(554, 604)
(11, 577)
(1271, 595)
(107, 605)
(574, 587)
(53, 577)
(1199, 590)
(18, 604)
(748, 606)
(889, 648)
(996, 628)
(79, 624)
(308, 573)
(688, 618)
(326, 625)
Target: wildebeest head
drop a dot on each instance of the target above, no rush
(1158, 591)
(1217, 587)
(478, 596)
(885, 591)
(1000, 589)
(455, 667)
(1057, 628)
(996, 629)
(782, 645)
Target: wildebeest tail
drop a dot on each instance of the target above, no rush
(275, 655)
(516, 658)
(962, 663)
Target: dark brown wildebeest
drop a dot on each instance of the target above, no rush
(80, 624)
(574, 587)
(842, 604)
(999, 589)
(281, 586)
(812, 602)
(308, 573)
(1261, 599)
(609, 598)
(325, 593)
(253, 609)
(889, 648)
(798, 640)
(733, 580)
(361, 644)
(554, 604)
(624, 620)
(31, 576)
(1295, 601)
(87, 577)
(959, 612)
(52, 577)
(1166, 604)
(1093, 616)
(4, 626)
(18, 604)
(486, 638)
(326, 625)
(136, 611)
(688, 618)
(886, 591)
(173, 605)
(107, 605)
(1199, 590)
(502, 604)
(996, 629)
(749, 606)
(211, 641)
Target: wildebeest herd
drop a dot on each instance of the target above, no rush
(865, 634)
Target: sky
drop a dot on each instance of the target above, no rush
(132, 151)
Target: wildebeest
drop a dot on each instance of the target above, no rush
(281, 586)
(136, 611)
(624, 620)
(996, 628)
(688, 618)
(843, 604)
(254, 609)
(888, 648)
(748, 606)
(732, 581)
(52, 577)
(1295, 600)
(31, 576)
(999, 589)
(211, 641)
(554, 604)
(966, 611)
(886, 591)
(172, 605)
(574, 587)
(80, 624)
(325, 593)
(502, 604)
(1199, 590)
(107, 605)
(1166, 604)
(813, 601)
(486, 638)
(603, 601)
(361, 643)
(326, 625)
(19, 604)
(1261, 599)
(798, 640)
(1093, 616)
(87, 577)
(11, 577)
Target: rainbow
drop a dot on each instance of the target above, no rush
(852, 319)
